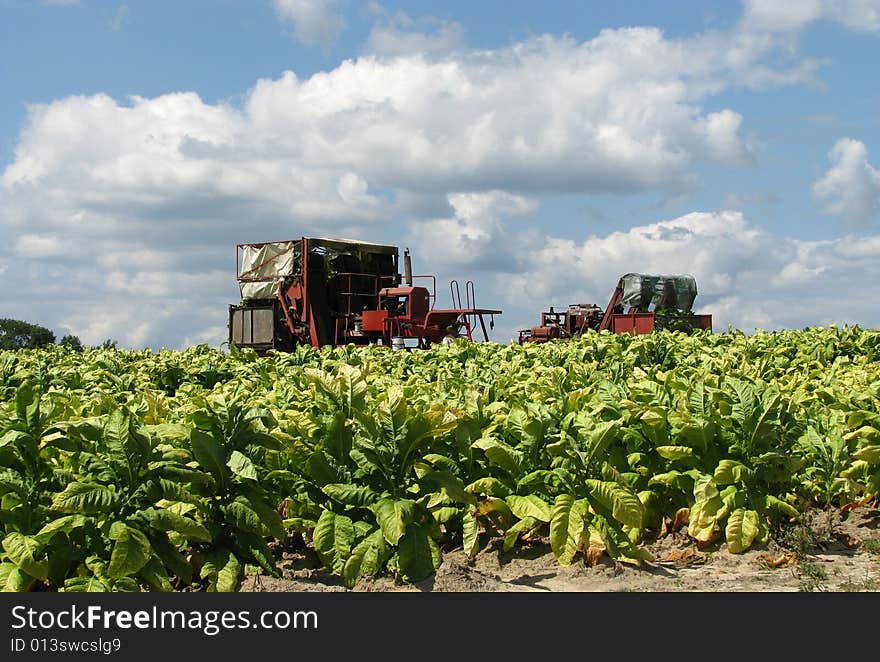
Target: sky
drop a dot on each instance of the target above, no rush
(541, 150)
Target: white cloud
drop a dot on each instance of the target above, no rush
(138, 201)
(475, 235)
(399, 34)
(315, 22)
(775, 16)
(851, 187)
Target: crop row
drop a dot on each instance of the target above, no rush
(131, 470)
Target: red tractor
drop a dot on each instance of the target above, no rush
(319, 291)
(640, 304)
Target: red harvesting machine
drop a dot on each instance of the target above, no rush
(320, 291)
(640, 304)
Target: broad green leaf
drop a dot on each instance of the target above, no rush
(530, 506)
(333, 538)
(870, 454)
(470, 534)
(741, 530)
(523, 526)
(367, 558)
(779, 506)
(170, 556)
(222, 569)
(167, 520)
(241, 465)
(620, 500)
(250, 514)
(393, 517)
(86, 498)
(360, 496)
(130, 553)
(705, 517)
(567, 527)
(489, 486)
(84, 585)
(65, 524)
(156, 576)
(730, 471)
(501, 454)
(417, 553)
(22, 551)
(451, 486)
(209, 454)
(675, 452)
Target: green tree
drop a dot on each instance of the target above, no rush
(16, 334)
(71, 341)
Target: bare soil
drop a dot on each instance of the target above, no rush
(834, 551)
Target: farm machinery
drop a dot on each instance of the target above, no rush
(639, 304)
(322, 291)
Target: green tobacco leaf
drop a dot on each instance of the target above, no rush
(489, 486)
(64, 524)
(530, 506)
(523, 526)
(130, 553)
(367, 558)
(567, 527)
(333, 538)
(501, 455)
(470, 534)
(84, 585)
(393, 517)
(730, 471)
(209, 454)
(741, 531)
(166, 520)
(170, 556)
(222, 569)
(417, 553)
(241, 465)
(359, 496)
(22, 551)
(621, 501)
(779, 506)
(86, 498)
(156, 576)
(869, 454)
(675, 452)
(597, 439)
(251, 547)
(451, 485)
(250, 514)
(538, 480)
(705, 517)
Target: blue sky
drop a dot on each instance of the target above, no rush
(540, 150)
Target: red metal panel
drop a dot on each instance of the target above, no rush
(644, 322)
(373, 321)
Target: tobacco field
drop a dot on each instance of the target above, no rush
(126, 470)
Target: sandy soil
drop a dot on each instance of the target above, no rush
(811, 557)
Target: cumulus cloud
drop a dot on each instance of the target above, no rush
(315, 22)
(475, 235)
(775, 16)
(135, 206)
(399, 34)
(851, 187)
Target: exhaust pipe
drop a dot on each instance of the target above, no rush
(407, 268)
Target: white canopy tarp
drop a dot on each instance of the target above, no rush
(263, 265)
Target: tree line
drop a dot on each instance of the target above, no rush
(18, 334)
